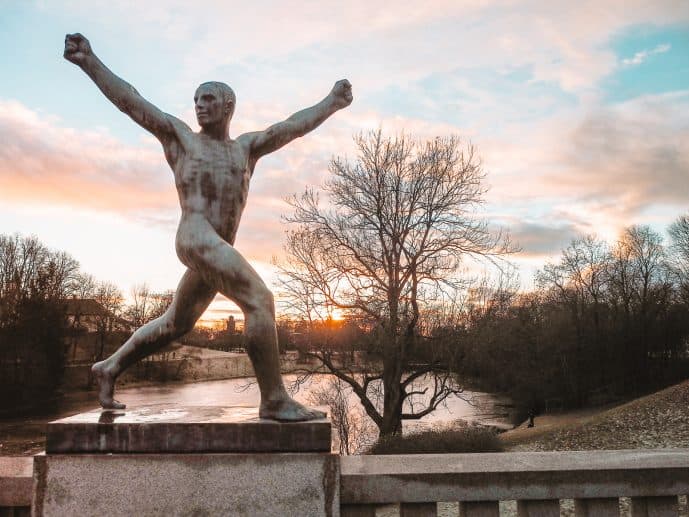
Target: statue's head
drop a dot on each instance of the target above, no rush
(214, 103)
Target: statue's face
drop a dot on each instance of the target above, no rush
(210, 105)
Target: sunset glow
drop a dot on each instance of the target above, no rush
(579, 111)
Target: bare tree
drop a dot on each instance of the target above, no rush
(679, 254)
(616, 297)
(400, 220)
(580, 279)
(648, 288)
(84, 286)
(27, 267)
(679, 234)
(355, 430)
(109, 296)
(137, 311)
(147, 305)
(161, 301)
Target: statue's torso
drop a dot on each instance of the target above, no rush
(212, 179)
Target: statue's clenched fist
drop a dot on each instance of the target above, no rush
(77, 48)
(342, 93)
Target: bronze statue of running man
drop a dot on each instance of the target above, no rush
(212, 173)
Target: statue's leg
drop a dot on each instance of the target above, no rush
(223, 267)
(191, 299)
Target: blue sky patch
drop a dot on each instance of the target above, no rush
(650, 60)
(477, 96)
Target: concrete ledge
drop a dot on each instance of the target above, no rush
(16, 481)
(519, 475)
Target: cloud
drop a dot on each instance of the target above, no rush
(523, 81)
(600, 169)
(635, 154)
(540, 239)
(291, 47)
(41, 161)
(584, 169)
(642, 55)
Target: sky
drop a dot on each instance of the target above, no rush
(579, 111)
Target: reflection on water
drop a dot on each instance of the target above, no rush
(471, 406)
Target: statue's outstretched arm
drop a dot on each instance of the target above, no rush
(120, 92)
(302, 122)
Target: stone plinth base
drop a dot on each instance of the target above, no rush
(271, 484)
(183, 429)
(166, 460)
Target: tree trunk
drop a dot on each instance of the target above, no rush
(392, 397)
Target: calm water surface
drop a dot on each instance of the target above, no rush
(472, 406)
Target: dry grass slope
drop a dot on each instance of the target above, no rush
(440, 441)
(659, 420)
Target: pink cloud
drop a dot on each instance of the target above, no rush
(635, 154)
(43, 161)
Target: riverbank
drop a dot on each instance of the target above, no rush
(658, 420)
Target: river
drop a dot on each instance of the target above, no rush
(473, 406)
(25, 434)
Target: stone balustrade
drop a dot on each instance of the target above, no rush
(653, 479)
(536, 480)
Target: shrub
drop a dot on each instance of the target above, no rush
(440, 440)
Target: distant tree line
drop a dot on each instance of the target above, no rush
(33, 281)
(38, 323)
(605, 320)
(218, 337)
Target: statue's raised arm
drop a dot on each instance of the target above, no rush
(301, 122)
(120, 92)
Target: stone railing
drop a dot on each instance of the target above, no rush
(652, 479)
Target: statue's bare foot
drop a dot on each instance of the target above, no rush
(106, 386)
(288, 410)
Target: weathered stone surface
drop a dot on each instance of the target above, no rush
(15, 481)
(303, 484)
(166, 428)
(518, 475)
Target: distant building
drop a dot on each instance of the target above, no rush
(94, 331)
(88, 315)
(231, 326)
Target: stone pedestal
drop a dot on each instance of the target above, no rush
(165, 460)
(165, 428)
